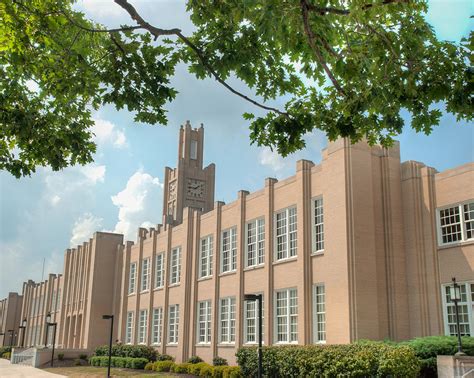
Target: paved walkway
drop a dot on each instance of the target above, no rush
(20, 371)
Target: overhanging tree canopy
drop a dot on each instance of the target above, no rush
(347, 68)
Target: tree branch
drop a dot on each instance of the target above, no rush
(345, 12)
(159, 32)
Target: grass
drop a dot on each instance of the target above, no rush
(94, 371)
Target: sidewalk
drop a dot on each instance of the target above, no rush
(20, 371)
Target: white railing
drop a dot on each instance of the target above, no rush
(25, 357)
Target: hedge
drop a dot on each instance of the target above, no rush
(135, 351)
(200, 369)
(374, 359)
(6, 355)
(120, 362)
(427, 348)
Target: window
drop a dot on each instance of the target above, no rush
(319, 313)
(256, 242)
(456, 223)
(205, 258)
(251, 321)
(175, 266)
(142, 327)
(173, 324)
(145, 274)
(286, 241)
(204, 322)
(227, 320)
(58, 300)
(318, 225)
(286, 316)
(194, 147)
(132, 278)
(229, 250)
(129, 328)
(52, 306)
(159, 270)
(465, 309)
(157, 320)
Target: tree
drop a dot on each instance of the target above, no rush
(347, 68)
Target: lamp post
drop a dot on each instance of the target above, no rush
(54, 325)
(111, 317)
(11, 331)
(23, 328)
(455, 294)
(258, 298)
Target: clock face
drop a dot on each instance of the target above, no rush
(172, 190)
(195, 188)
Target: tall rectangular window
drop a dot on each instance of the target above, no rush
(132, 278)
(206, 256)
(175, 266)
(468, 209)
(129, 328)
(456, 223)
(159, 270)
(58, 300)
(194, 149)
(256, 242)
(318, 225)
(142, 327)
(227, 320)
(173, 324)
(157, 324)
(465, 309)
(229, 250)
(145, 274)
(319, 313)
(286, 316)
(251, 321)
(204, 322)
(286, 233)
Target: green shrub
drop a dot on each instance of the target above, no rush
(219, 361)
(5, 349)
(180, 368)
(195, 369)
(7, 355)
(164, 357)
(133, 351)
(163, 365)
(195, 360)
(233, 372)
(60, 356)
(120, 362)
(77, 362)
(207, 371)
(83, 356)
(149, 366)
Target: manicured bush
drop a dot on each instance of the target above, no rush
(163, 365)
(77, 362)
(134, 351)
(5, 349)
(180, 368)
(6, 355)
(195, 360)
(195, 369)
(60, 356)
(83, 356)
(121, 362)
(164, 357)
(149, 366)
(427, 348)
(219, 361)
(207, 371)
(361, 359)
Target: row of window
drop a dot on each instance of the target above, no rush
(286, 320)
(465, 310)
(456, 223)
(285, 247)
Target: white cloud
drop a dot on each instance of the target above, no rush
(107, 133)
(55, 200)
(93, 173)
(138, 203)
(84, 228)
(272, 159)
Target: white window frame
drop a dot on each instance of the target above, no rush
(255, 242)
(469, 290)
(288, 317)
(129, 328)
(173, 324)
(206, 254)
(204, 311)
(289, 236)
(175, 266)
(317, 222)
(142, 326)
(231, 266)
(132, 278)
(145, 276)
(157, 326)
(319, 313)
(159, 270)
(462, 222)
(252, 306)
(227, 320)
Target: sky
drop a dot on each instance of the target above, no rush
(43, 215)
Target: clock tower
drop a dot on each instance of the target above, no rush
(188, 185)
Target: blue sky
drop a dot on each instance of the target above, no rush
(43, 215)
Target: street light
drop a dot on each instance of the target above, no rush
(111, 317)
(258, 298)
(23, 328)
(455, 294)
(54, 325)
